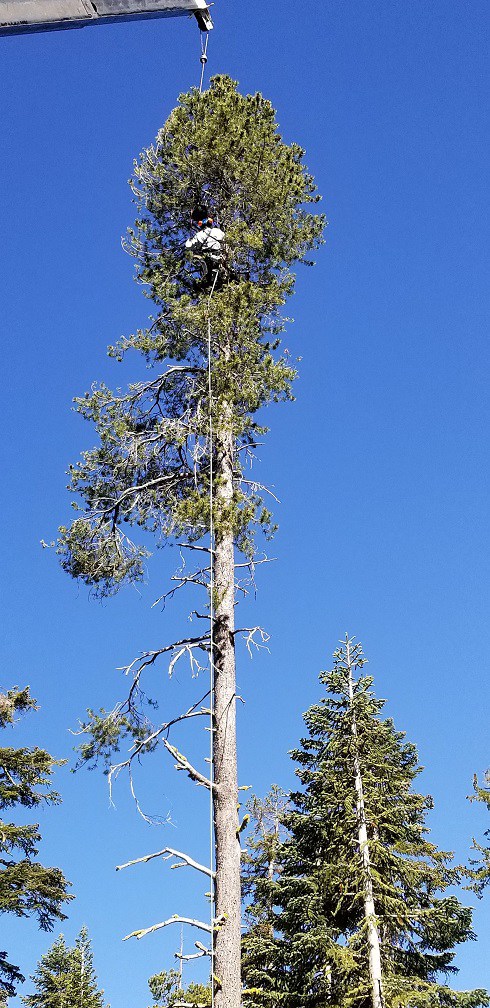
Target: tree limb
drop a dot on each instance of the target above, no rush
(171, 920)
(192, 955)
(170, 852)
(183, 764)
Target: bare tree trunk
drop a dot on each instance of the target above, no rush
(227, 939)
(374, 948)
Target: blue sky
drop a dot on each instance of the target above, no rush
(380, 464)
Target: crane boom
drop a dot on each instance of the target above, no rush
(19, 16)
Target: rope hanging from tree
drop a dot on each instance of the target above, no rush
(211, 631)
(203, 61)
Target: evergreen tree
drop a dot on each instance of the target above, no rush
(264, 958)
(27, 888)
(328, 900)
(65, 977)
(481, 873)
(167, 990)
(173, 443)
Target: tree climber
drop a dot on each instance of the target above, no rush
(208, 244)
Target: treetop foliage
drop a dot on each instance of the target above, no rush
(65, 977)
(151, 466)
(166, 989)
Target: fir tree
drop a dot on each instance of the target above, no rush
(264, 958)
(65, 977)
(166, 989)
(167, 446)
(331, 896)
(27, 888)
(480, 870)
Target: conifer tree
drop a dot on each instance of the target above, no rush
(166, 989)
(264, 954)
(27, 888)
(480, 871)
(172, 443)
(66, 978)
(329, 897)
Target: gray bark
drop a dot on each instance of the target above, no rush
(227, 937)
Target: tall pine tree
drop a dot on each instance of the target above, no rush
(27, 888)
(185, 435)
(66, 978)
(358, 864)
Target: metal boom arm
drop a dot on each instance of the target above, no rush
(19, 16)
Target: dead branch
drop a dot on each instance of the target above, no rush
(191, 955)
(258, 487)
(171, 920)
(195, 711)
(255, 563)
(192, 546)
(166, 853)
(182, 580)
(183, 764)
(137, 666)
(252, 633)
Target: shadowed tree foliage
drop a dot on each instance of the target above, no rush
(320, 926)
(166, 443)
(65, 977)
(27, 888)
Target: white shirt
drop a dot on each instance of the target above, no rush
(209, 239)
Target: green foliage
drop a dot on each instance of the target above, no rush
(166, 990)
(152, 463)
(318, 943)
(264, 954)
(26, 887)
(480, 870)
(65, 977)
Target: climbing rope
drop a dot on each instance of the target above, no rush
(211, 633)
(203, 60)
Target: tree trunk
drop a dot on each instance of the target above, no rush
(227, 938)
(374, 949)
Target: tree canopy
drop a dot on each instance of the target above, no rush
(27, 888)
(318, 887)
(65, 977)
(151, 466)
